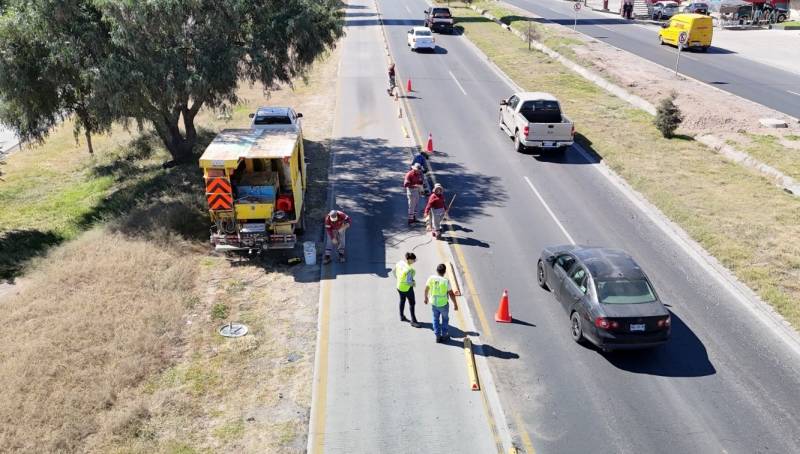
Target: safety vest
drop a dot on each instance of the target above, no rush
(437, 289)
(402, 269)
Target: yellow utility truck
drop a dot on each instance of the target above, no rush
(255, 182)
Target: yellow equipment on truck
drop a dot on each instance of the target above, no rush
(255, 183)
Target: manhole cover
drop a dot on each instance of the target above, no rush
(233, 330)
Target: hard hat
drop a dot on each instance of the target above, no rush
(416, 166)
(438, 186)
(334, 215)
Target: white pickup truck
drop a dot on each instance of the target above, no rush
(534, 119)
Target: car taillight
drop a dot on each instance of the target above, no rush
(604, 323)
(664, 322)
(573, 130)
(525, 131)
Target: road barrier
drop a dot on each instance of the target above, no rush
(471, 367)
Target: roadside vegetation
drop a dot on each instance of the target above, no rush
(112, 343)
(738, 216)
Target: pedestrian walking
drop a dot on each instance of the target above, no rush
(413, 182)
(336, 223)
(435, 210)
(437, 291)
(405, 273)
(391, 74)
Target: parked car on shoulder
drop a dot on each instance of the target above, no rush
(664, 10)
(607, 296)
(534, 119)
(439, 19)
(420, 38)
(696, 8)
(276, 118)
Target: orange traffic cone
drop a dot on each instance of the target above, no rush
(429, 146)
(408, 86)
(503, 315)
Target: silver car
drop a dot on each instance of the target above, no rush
(609, 299)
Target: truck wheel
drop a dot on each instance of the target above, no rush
(518, 143)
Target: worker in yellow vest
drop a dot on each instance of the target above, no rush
(405, 273)
(437, 290)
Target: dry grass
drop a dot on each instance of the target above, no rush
(77, 336)
(737, 215)
(114, 345)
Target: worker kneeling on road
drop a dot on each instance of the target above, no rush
(435, 210)
(437, 289)
(413, 182)
(336, 223)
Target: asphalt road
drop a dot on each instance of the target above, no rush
(766, 85)
(384, 386)
(725, 383)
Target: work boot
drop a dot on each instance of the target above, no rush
(341, 257)
(403, 318)
(415, 324)
(438, 339)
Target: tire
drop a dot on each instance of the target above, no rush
(500, 122)
(576, 328)
(518, 143)
(781, 18)
(540, 276)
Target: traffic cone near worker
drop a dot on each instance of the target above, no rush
(414, 183)
(429, 145)
(438, 291)
(408, 86)
(503, 315)
(336, 224)
(405, 273)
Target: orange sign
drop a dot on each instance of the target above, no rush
(219, 194)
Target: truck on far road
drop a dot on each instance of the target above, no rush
(439, 19)
(534, 119)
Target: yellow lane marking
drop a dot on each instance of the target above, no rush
(322, 383)
(526, 439)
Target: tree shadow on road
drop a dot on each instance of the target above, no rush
(683, 356)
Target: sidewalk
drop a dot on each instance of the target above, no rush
(382, 386)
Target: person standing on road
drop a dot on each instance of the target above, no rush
(391, 73)
(413, 182)
(435, 210)
(406, 274)
(437, 290)
(336, 223)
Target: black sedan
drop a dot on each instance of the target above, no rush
(609, 299)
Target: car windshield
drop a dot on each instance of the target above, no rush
(272, 120)
(423, 33)
(624, 291)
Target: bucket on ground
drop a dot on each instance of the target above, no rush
(310, 252)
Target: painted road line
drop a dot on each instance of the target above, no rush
(408, 9)
(319, 397)
(547, 207)
(526, 439)
(457, 82)
(794, 93)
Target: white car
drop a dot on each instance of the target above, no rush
(276, 118)
(421, 38)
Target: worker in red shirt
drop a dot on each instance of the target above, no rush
(413, 182)
(435, 210)
(336, 223)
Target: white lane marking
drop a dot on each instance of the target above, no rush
(605, 28)
(457, 83)
(547, 207)
(794, 93)
(407, 8)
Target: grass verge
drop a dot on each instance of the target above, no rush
(736, 215)
(114, 347)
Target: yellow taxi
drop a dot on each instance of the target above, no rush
(698, 26)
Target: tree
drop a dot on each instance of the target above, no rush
(668, 116)
(49, 56)
(172, 57)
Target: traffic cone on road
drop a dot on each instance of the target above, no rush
(503, 315)
(408, 86)
(429, 146)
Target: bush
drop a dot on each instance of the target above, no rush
(668, 116)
